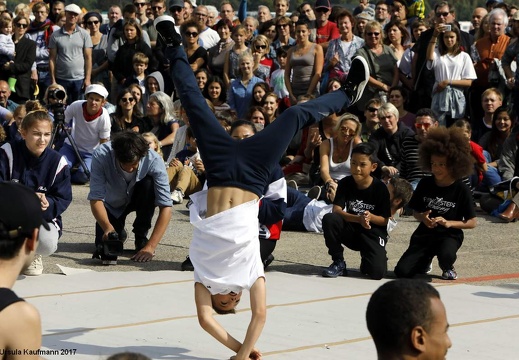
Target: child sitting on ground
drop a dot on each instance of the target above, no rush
(442, 203)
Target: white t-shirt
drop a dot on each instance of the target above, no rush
(225, 247)
(448, 67)
(87, 133)
(208, 38)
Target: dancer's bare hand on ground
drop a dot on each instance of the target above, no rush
(254, 355)
(144, 255)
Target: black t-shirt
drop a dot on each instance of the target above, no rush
(453, 202)
(374, 199)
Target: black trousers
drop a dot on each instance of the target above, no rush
(143, 203)
(423, 248)
(338, 232)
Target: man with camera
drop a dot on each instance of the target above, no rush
(127, 177)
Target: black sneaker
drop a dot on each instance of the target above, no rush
(140, 242)
(187, 265)
(268, 261)
(337, 268)
(167, 34)
(357, 79)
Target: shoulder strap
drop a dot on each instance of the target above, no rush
(7, 297)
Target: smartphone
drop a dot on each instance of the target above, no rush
(447, 28)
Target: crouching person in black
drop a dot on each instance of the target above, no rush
(127, 177)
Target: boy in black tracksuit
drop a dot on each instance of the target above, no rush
(361, 210)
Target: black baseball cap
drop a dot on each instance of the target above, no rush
(20, 210)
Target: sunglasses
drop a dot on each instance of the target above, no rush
(373, 33)
(282, 25)
(21, 26)
(191, 34)
(139, 4)
(322, 10)
(260, 47)
(125, 100)
(89, 23)
(175, 9)
(157, 8)
(424, 126)
(442, 14)
(372, 109)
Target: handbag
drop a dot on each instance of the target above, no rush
(504, 189)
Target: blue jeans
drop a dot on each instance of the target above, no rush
(491, 177)
(73, 88)
(78, 177)
(245, 164)
(294, 213)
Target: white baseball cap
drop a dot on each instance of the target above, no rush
(97, 89)
(73, 8)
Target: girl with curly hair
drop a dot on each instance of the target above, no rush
(442, 203)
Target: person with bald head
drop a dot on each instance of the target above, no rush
(5, 93)
(477, 15)
(208, 37)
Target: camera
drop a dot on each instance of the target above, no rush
(57, 94)
(109, 249)
(58, 108)
(447, 28)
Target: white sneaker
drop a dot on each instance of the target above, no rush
(177, 197)
(36, 267)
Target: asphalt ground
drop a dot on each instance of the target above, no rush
(489, 255)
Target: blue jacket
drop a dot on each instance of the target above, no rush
(48, 174)
(108, 184)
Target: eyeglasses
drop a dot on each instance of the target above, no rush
(322, 10)
(21, 26)
(191, 34)
(372, 109)
(157, 8)
(373, 33)
(95, 22)
(139, 4)
(200, 14)
(260, 47)
(442, 14)
(125, 100)
(424, 126)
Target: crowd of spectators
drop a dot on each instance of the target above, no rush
(424, 72)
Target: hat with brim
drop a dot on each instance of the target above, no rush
(20, 211)
(73, 8)
(176, 3)
(97, 89)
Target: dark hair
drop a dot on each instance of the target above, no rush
(365, 149)
(129, 9)
(282, 51)
(242, 122)
(445, 3)
(450, 143)
(495, 138)
(426, 112)
(129, 146)
(457, 46)
(128, 355)
(216, 79)
(265, 88)
(303, 21)
(402, 190)
(401, 27)
(118, 108)
(462, 124)
(395, 309)
(190, 23)
(265, 26)
(136, 25)
(220, 311)
(403, 92)
(255, 108)
(224, 22)
(9, 246)
(334, 12)
(345, 13)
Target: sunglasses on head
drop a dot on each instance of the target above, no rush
(191, 34)
(93, 22)
(423, 126)
(130, 99)
(260, 46)
(373, 34)
(444, 14)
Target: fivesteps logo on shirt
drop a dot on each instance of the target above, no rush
(438, 204)
(359, 206)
